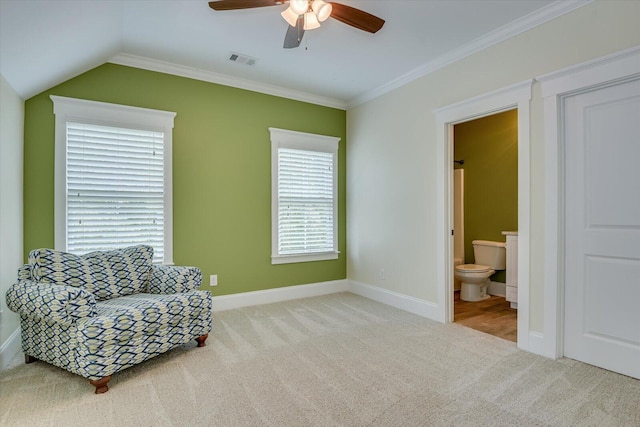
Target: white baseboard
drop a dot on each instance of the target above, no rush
(537, 344)
(268, 296)
(403, 302)
(497, 288)
(9, 349)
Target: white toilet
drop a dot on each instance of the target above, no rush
(489, 257)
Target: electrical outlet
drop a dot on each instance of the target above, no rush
(213, 280)
(382, 276)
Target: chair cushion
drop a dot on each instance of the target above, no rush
(106, 274)
(130, 329)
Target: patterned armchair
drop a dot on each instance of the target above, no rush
(99, 313)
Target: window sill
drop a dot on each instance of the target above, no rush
(289, 259)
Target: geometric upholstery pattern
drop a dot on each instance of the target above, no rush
(106, 274)
(63, 323)
(57, 303)
(24, 273)
(131, 329)
(170, 280)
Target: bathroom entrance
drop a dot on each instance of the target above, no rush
(485, 223)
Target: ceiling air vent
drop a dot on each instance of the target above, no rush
(239, 58)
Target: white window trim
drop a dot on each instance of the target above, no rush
(102, 113)
(281, 138)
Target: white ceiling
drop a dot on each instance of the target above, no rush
(44, 42)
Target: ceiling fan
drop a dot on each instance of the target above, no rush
(305, 15)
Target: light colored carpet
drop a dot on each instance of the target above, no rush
(336, 360)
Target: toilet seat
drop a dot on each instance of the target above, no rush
(473, 268)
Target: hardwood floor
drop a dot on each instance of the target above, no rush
(493, 316)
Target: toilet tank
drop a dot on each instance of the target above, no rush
(492, 254)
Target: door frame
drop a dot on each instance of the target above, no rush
(588, 76)
(518, 97)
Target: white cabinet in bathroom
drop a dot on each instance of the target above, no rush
(512, 267)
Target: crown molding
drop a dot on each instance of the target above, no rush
(525, 23)
(224, 79)
(532, 20)
(606, 68)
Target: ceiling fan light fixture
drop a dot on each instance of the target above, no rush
(311, 21)
(299, 6)
(290, 16)
(322, 9)
(303, 15)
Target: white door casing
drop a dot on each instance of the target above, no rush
(560, 91)
(602, 227)
(516, 96)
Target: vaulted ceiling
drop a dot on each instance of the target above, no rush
(44, 42)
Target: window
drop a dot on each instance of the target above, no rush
(113, 177)
(304, 196)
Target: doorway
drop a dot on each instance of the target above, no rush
(513, 97)
(485, 207)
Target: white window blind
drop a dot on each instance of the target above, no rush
(304, 197)
(305, 202)
(113, 177)
(115, 188)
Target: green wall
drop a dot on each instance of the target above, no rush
(221, 171)
(489, 148)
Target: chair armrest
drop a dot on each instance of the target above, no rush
(24, 273)
(57, 303)
(169, 279)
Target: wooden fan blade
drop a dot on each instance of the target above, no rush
(242, 4)
(356, 18)
(294, 34)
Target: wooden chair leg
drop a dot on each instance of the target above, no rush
(29, 359)
(101, 384)
(201, 340)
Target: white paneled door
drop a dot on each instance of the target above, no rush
(602, 226)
